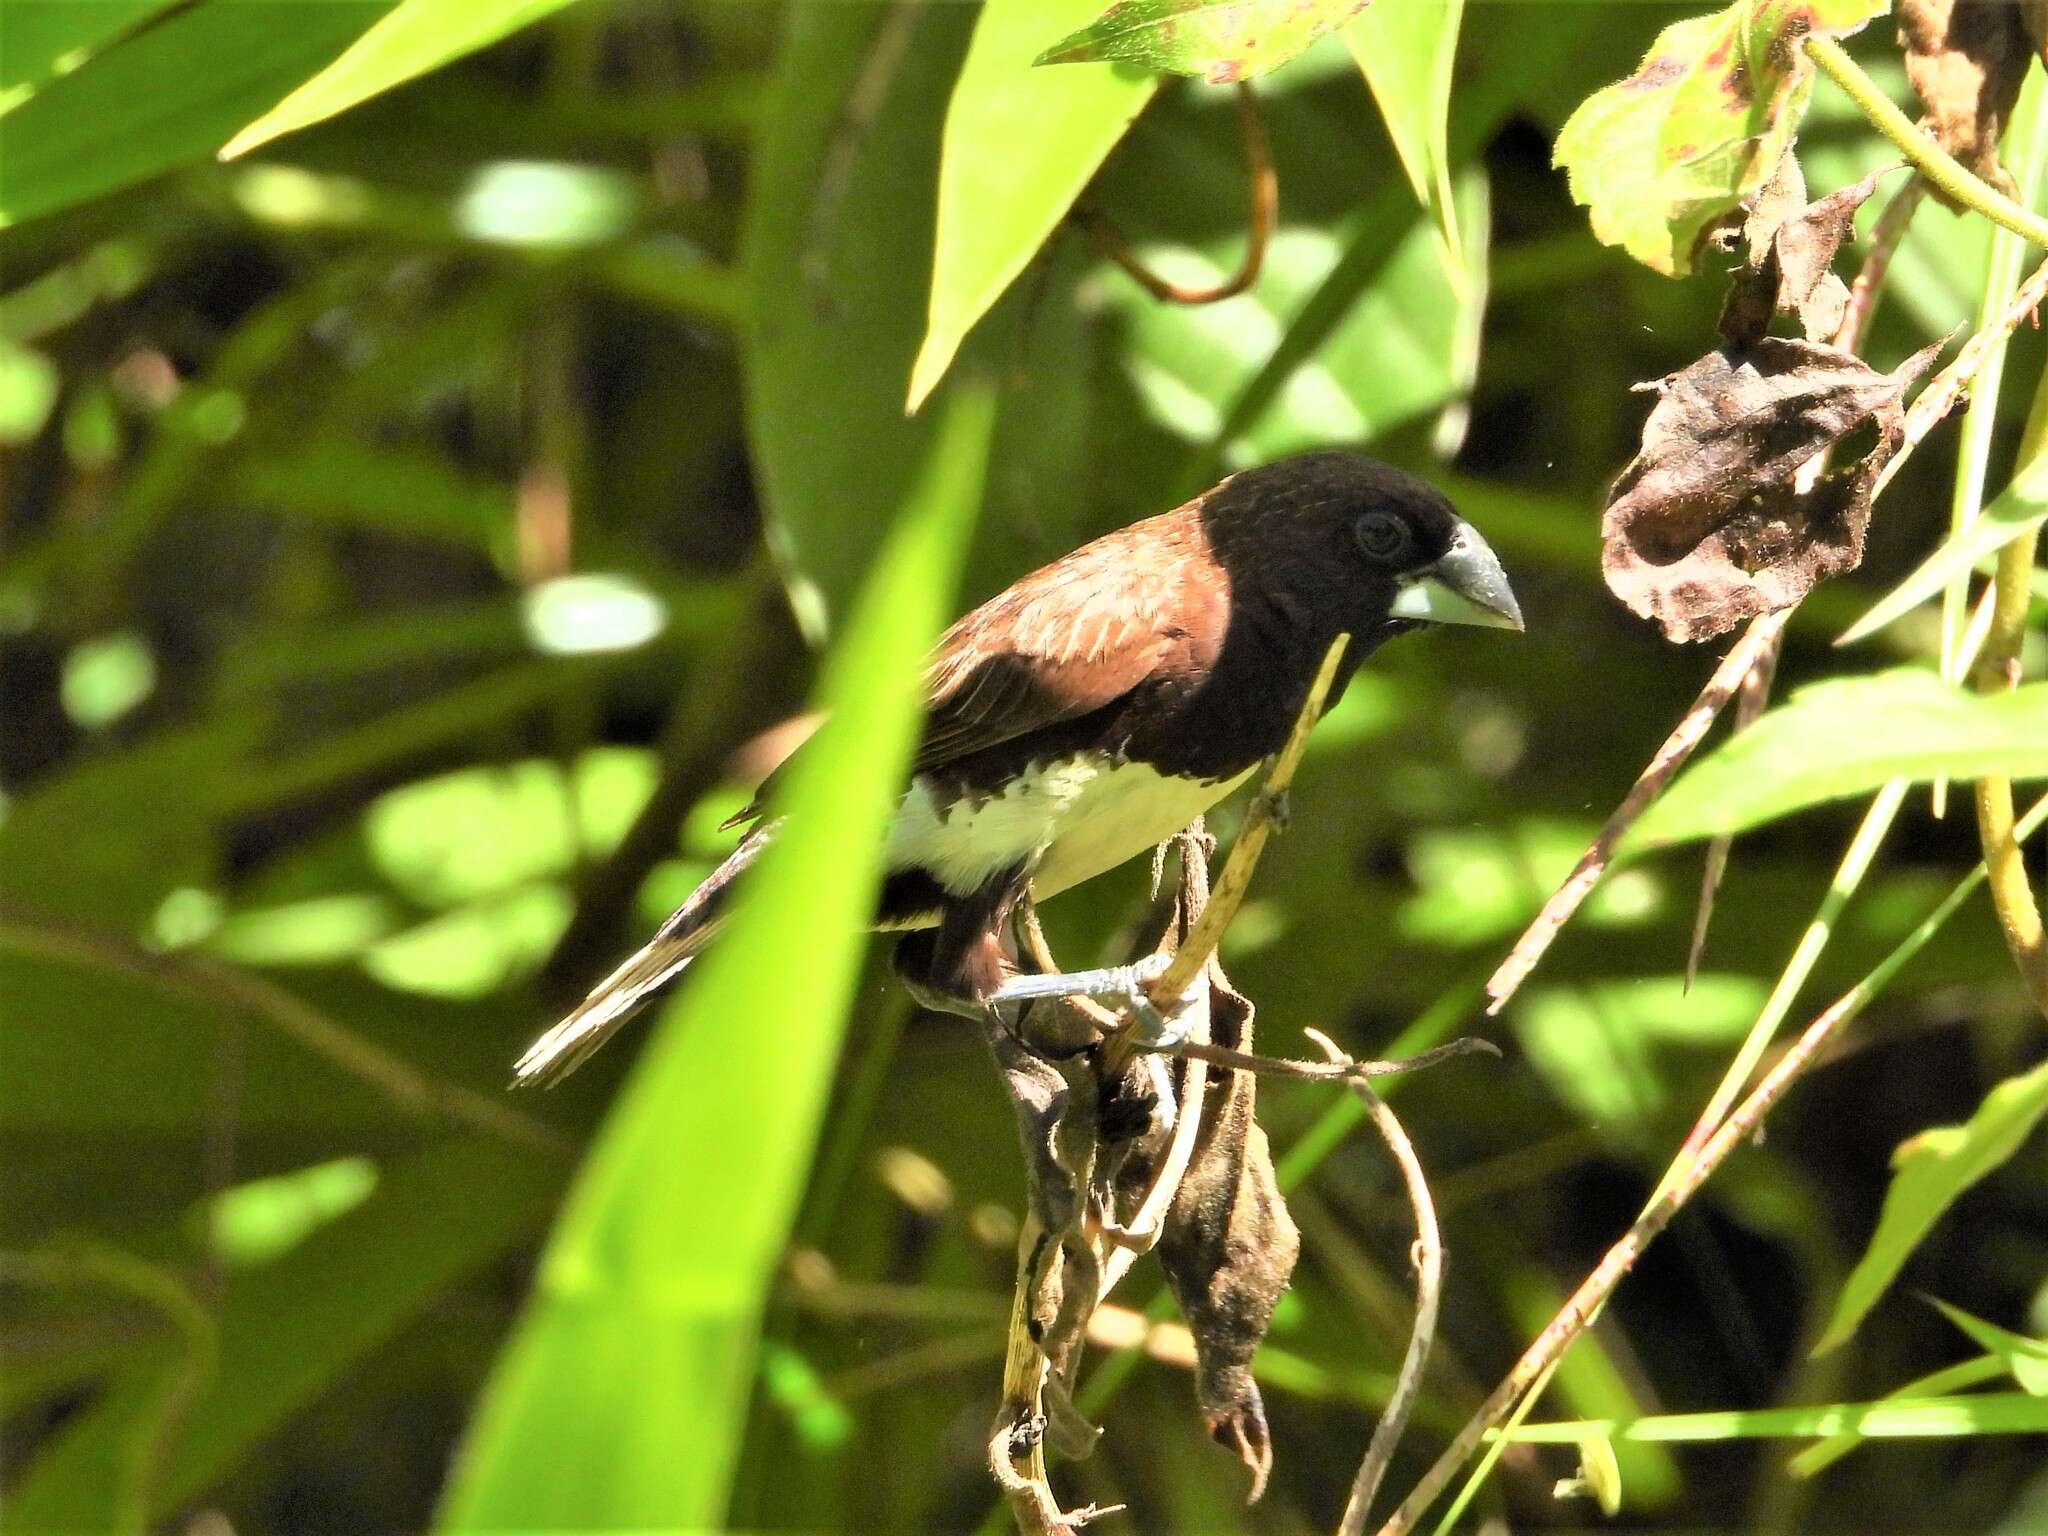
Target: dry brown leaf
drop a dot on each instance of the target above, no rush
(1966, 59)
(1791, 249)
(1706, 527)
(1228, 1247)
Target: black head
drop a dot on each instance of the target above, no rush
(1339, 541)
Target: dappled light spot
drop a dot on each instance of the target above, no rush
(107, 677)
(584, 615)
(545, 204)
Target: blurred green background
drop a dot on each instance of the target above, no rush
(415, 537)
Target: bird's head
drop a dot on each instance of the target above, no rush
(1339, 541)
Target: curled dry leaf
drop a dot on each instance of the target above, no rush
(1706, 527)
(1966, 60)
(1791, 247)
(1229, 1245)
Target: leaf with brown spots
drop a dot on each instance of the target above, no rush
(1710, 524)
(1661, 158)
(1966, 59)
(1220, 40)
(1791, 252)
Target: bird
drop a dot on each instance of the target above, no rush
(1098, 706)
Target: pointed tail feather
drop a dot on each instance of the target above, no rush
(642, 975)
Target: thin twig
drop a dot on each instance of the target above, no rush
(1549, 1346)
(1429, 1285)
(1348, 1071)
(1931, 406)
(1885, 238)
(1670, 757)
(194, 976)
(1751, 699)
(1265, 216)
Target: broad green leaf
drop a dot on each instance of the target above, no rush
(1220, 40)
(1929, 1418)
(1660, 157)
(1020, 145)
(838, 231)
(418, 36)
(622, 1398)
(2021, 506)
(1848, 737)
(290, 1327)
(2026, 1358)
(171, 93)
(1406, 50)
(1929, 1171)
(39, 38)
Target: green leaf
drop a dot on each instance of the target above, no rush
(835, 224)
(1406, 52)
(622, 1398)
(40, 38)
(171, 93)
(2022, 506)
(1844, 738)
(1936, 1418)
(1002, 191)
(1952, 1378)
(2026, 1358)
(1929, 1171)
(290, 1327)
(1220, 40)
(1660, 157)
(418, 36)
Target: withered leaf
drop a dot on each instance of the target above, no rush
(1791, 246)
(1229, 1245)
(1707, 526)
(1966, 60)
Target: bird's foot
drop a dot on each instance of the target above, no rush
(1122, 986)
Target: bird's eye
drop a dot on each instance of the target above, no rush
(1383, 537)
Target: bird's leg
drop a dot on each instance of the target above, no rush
(1121, 986)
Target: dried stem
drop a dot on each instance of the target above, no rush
(1265, 215)
(1885, 237)
(1761, 635)
(1683, 1182)
(1429, 1285)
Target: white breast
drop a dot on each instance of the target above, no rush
(1068, 820)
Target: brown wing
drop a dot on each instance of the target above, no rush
(1062, 642)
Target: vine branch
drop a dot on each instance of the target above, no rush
(1265, 217)
(1929, 158)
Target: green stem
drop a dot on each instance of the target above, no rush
(1935, 163)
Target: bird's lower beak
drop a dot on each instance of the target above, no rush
(1467, 586)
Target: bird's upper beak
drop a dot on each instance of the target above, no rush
(1467, 586)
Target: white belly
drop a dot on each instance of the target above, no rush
(1068, 821)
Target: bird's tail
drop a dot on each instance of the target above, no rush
(643, 974)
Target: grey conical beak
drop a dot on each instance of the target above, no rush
(1467, 586)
